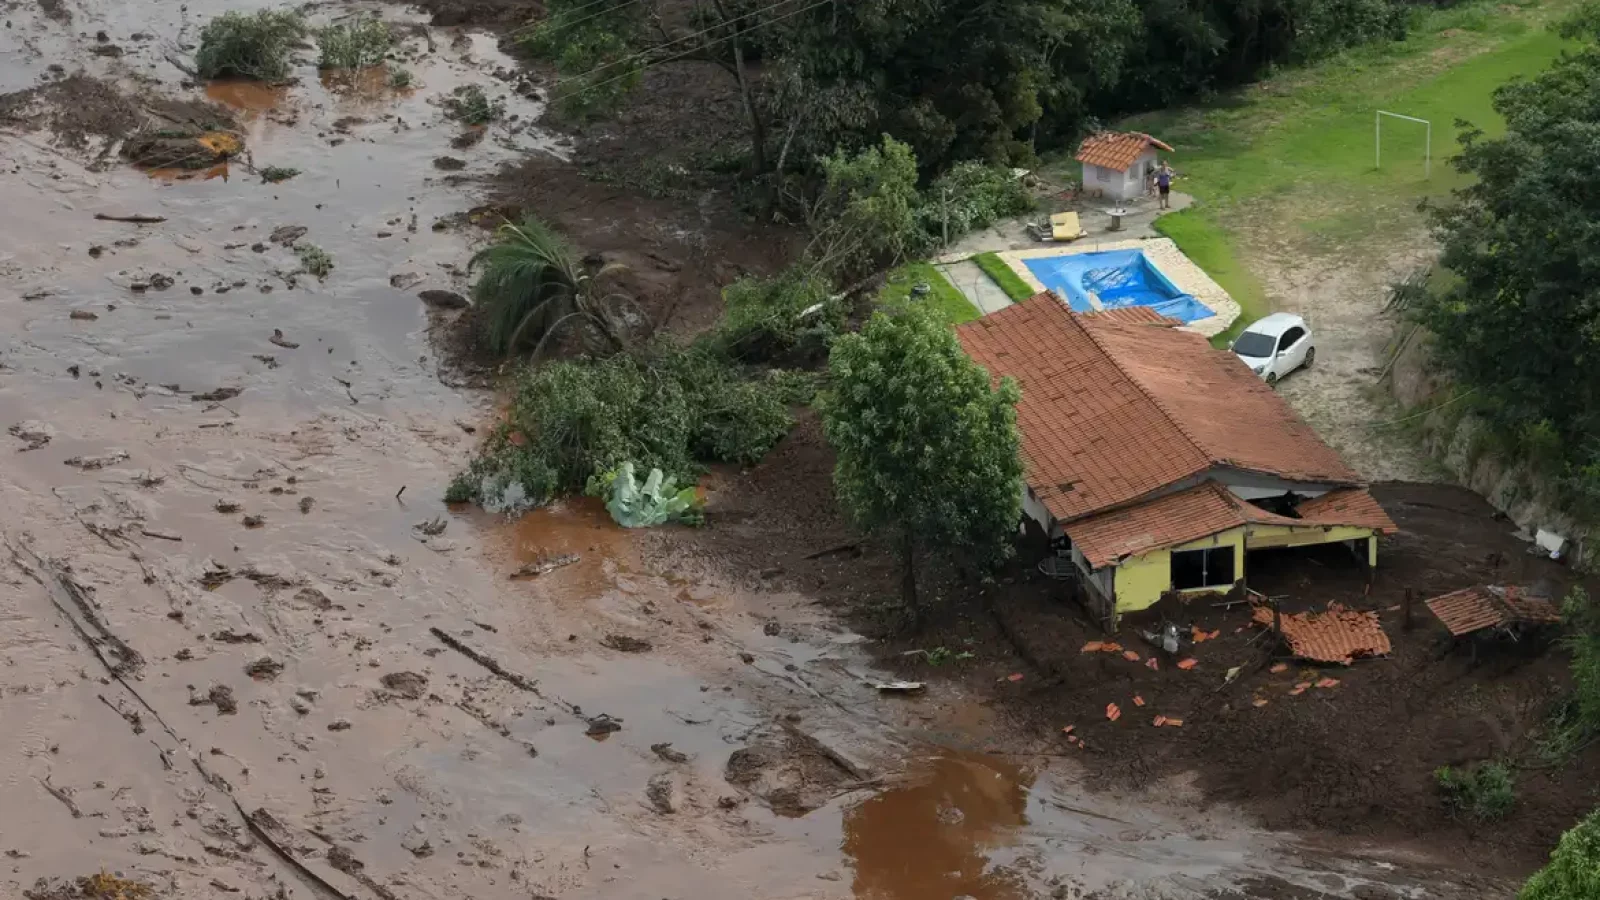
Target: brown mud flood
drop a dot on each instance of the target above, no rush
(247, 650)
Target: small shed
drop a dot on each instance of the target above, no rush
(1116, 163)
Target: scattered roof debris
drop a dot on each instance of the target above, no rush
(1491, 606)
(1339, 635)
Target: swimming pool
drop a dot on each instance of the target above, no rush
(1115, 278)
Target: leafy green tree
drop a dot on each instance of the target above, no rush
(1574, 869)
(533, 286)
(928, 451)
(866, 214)
(1520, 323)
(259, 45)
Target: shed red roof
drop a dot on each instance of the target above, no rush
(1113, 412)
(1116, 150)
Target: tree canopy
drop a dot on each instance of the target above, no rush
(1520, 321)
(928, 450)
(1574, 869)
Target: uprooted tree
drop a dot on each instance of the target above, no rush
(928, 451)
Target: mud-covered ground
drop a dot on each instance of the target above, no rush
(248, 652)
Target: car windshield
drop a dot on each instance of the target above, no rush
(1254, 343)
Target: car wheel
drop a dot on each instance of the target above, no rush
(1272, 379)
(1311, 357)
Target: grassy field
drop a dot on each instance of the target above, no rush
(944, 297)
(1289, 161)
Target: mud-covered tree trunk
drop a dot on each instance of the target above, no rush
(758, 128)
(908, 583)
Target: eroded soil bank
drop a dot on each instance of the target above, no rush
(248, 652)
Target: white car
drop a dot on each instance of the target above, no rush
(1276, 345)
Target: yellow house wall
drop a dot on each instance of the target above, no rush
(1141, 580)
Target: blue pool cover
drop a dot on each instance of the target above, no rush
(1117, 278)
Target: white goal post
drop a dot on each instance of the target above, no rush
(1377, 140)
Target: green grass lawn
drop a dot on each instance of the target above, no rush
(1289, 161)
(944, 297)
(1002, 275)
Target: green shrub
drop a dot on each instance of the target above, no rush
(971, 196)
(593, 51)
(764, 318)
(255, 46)
(1484, 793)
(663, 407)
(354, 45)
(401, 79)
(471, 106)
(1574, 869)
(314, 260)
(275, 174)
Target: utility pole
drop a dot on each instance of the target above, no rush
(946, 229)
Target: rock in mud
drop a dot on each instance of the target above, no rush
(300, 705)
(339, 725)
(409, 685)
(83, 315)
(404, 280)
(286, 235)
(33, 433)
(305, 504)
(220, 696)
(662, 792)
(443, 299)
(161, 281)
(771, 629)
(415, 840)
(264, 669)
(625, 644)
(602, 725)
(254, 521)
(229, 636)
(665, 751)
(227, 506)
(449, 163)
(88, 463)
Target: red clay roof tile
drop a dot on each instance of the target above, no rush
(1337, 636)
(1112, 412)
(1476, 608)
(1133, 315)
(1347, 506)
(1176, 518)
(1116, 150)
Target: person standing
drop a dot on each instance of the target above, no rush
(1164, 184)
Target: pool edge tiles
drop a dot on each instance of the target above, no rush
(1164, 256)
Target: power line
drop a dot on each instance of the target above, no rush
(695, 34)
(557, 21)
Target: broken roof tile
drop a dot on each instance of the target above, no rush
(1339, 635)
(1487, 606)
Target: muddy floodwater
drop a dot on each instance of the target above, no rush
(246, 650)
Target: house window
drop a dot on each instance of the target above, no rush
(1212, 567)
(1102, 174)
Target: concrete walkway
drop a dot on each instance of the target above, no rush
(976, 286)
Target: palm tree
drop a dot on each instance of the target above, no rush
(533, 286)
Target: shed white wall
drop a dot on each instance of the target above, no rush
(1114, 185)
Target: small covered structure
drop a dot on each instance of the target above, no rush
(1506, 609)
(1116, 163)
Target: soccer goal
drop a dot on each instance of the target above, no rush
(1377, 140)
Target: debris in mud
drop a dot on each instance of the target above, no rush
(786, 772)
(339, 725)
(220, 696)
(270, 362)
(415, 841)
(449, 163)
(545, 566)
(89, 463)
(432, 527)
(624, 644)
(218, 395)
(102, 886)
(264, 669)
(278, 339)
(190, 143)
(409, 685)
(82, 315)
(33, 433)
(443, 299)
(254, 521)
(665, 751)
(226, 506)
(161, 535)
(771, 629)
(662, 792)
(161, 281)
(405, 280)
(305, 504)
(286, 235)
(229, 636)
(602, 725)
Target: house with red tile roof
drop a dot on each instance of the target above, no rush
(1159, 461)
(1116, 163)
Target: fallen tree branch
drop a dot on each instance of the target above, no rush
(61, 795)
(488, 662)
(135, 219)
